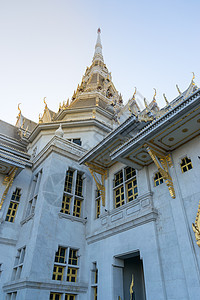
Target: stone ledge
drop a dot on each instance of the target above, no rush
(7, 241)
(60, 286)
(72, 218)
(145, 216)
(27, 219)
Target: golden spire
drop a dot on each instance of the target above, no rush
(98, 47)
(178, 89)
(45, 102)
(167, 102)
(154, 96)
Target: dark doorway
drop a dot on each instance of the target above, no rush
(133, 267)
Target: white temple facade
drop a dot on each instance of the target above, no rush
(100, 200)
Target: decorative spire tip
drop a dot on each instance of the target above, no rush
(99, 30)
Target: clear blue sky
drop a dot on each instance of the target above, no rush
(46, 46)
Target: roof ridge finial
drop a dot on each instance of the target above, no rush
(19, 110)
(154, 96)
(167, 102)
(98, 47)
(178, 89)
(134, 93)
(45, 102)
(193, 77)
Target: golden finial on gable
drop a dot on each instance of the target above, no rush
(19, 110)
(178, 89)
(74, 96)
(40, 118)
(134, 93)
(145, 103)
(154, 96)
(167, 102)
(45, 102)
(193, 77)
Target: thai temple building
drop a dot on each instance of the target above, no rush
(100, 200)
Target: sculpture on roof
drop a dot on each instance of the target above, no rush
(178, 89)
(167, 102)
(45, 102)
(19, 110)
(154, 96)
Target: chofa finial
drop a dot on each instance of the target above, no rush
(178, 89)
(167, 102)
(45, 102)
(19, 108)
(134, 93)
(145, 103)
(193, 77)
(154, 96)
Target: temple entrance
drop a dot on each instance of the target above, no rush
(129, 276)
(133, 267)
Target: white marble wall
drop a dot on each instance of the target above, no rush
(154, 224)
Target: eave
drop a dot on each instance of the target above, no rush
(100, 154)
(184, 116)
(68, 124)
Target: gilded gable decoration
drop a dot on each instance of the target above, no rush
(162, 162)
(8, 181)
(48, 115)
(154, 96)
(25, 126)
(94, 170)
(196, 226)
(192, 87)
